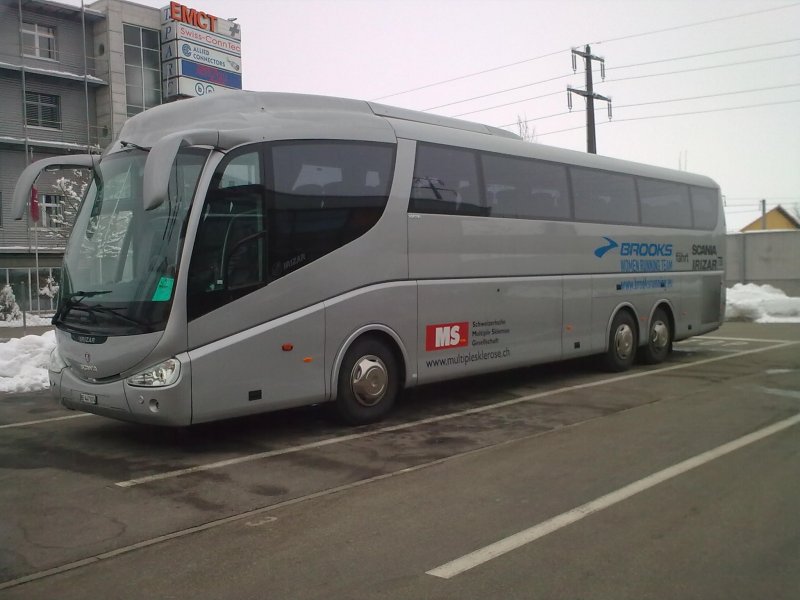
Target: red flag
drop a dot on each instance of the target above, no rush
(35, 205)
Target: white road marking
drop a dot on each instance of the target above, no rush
(487, 553)
(736, 339)
(249, 514)
(402, 426)
(25, 423)
(794, 395)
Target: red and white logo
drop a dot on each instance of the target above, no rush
(446, 336)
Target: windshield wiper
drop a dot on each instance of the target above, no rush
(116, 313)
(73, 300)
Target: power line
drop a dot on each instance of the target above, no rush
(519, 87)
(472, 112)
(713, 52)
(733, 64)
(460, 77)
(698, 23)
(549, 54)
(763, 89)
(698, 112)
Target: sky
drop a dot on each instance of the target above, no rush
(741, 79)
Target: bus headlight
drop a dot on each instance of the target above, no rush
(165, 373)
(56, 363)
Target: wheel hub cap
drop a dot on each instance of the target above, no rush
(623, 341)
(369, 380)
(659, 335)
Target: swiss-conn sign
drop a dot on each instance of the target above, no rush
(214, 51)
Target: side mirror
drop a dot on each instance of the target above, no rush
(22, 191)
(162, 155)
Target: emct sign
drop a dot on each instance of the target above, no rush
(190, 16)
(446, 335)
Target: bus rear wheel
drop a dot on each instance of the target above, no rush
(621, 343)
(368, 382)
(659, 338)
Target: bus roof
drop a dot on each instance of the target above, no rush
(269, 115)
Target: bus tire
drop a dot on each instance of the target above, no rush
(368, 382)
(621, 342)
(659, 338)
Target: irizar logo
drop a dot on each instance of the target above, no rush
(643, 249)
(446, 335)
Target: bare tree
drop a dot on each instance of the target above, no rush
(70, 191)
(526, 131)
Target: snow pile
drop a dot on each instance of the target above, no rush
(30, 320)
(761, 303)
(23, 363)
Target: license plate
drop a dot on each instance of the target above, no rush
(88, 398)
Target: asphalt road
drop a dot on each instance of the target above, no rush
(559, 481)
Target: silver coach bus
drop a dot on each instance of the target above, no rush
(247, 252)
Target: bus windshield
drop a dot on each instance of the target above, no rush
(121, 261)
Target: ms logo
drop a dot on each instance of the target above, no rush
(187, 50)
(601, 251)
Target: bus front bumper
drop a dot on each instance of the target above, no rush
(169, 405)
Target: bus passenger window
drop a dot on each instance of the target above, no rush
(705, 207)
(665, 204)
(604, 197)
(445, 181)
(524, 188)
(325, 194)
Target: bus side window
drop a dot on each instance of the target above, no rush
(664, 204)
(324, 195)
(229, 255)
(445, 181)
(524, 188)
(705, 207)
(604, 197)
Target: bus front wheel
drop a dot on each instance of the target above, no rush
(368, 382)
(621, 342)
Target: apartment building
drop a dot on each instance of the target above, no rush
(69, 78)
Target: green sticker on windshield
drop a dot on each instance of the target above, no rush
(164, 290)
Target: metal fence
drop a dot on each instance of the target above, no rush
(33, 291)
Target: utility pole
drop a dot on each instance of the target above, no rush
(763, 213)
(588, 93)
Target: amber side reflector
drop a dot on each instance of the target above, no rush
(307, 359)
(287, 347)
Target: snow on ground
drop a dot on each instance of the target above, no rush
(23, 361)
(761, 303)
(30, 321)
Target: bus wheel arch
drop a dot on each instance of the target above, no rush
(623, 340)
(660, 334)
(369, 377)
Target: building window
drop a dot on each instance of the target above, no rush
(42, 110)
(39, 41)
(142, 68)
(50, 211)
